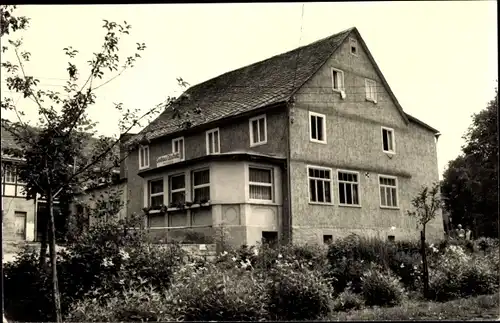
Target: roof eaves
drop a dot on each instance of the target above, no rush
(379, 72)
(422, 124)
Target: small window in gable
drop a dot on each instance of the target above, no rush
(371, 90)
(354, 46)
(388, 145)
(143, 157)
(337, 80)
(213, 142)
(178, 147)
(317, 127)
(258, 130)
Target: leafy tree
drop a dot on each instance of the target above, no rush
(58, 164)
(470, 183)
(425, 207)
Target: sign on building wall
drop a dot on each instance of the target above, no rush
(168, 159)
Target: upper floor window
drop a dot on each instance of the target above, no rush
(260, 183)
(320, 184)
(258, 130)
(348, 188)
(371, 90)
(9, 175)
(388, 144)
(178, 147)
(337, 79)
(388, 191)
(177, 188)
(201, 185)
(354, 46)
(155, 192)
(143, 157)
(213, 141)
(317, 127)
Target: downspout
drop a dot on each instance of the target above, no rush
(290, 105)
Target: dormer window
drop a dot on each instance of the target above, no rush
(354, 46)
(143, 157)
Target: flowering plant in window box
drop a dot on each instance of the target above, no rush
(189, 203)
(160, 209)
(177, 205)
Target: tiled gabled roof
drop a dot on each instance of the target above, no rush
(271, 81)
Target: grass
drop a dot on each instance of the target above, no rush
(480, 307)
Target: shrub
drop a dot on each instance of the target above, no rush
(27, 289)
(297, 294)
(347, 300)
(136, 302)
(458, 274)
(206, 293)
(381, 288)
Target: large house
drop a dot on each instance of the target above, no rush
(306, 146)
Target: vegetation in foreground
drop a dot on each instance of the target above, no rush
(123, 277)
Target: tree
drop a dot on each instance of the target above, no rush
(425, 204)
(57, 163)
(470, 183)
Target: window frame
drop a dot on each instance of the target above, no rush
(308, 167)
(250, 121)
(151, 195)
(261, 184)
(341, 73)
(396, 187)
(171, 191)
(212, 144)
(142, 149)
(393, 140)
(195, 187)
(345, 171)
(323, 125)
(180, 139)
(353, 41)
(371, 88)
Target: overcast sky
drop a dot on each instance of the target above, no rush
(440, 58)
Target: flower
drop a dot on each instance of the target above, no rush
(224, 253)
(256, 252)
(234, 258)
(124, 255)
(107, 262)
(280, 256)
(402, 265)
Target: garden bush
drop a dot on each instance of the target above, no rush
(381, 287)
(209, 293)
(297, 293)
(347, 300)
(459, 274)
(138, 301)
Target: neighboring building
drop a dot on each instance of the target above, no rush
(307, 146)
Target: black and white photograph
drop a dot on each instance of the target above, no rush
(332, 161)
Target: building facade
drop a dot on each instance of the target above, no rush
(306, 146)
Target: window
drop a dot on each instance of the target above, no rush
(371, 90)
(320, 182)
(201, 185)
(258, 130)
(317, 127)
(156, 192)
(213, 143)
(177, 189)
(348, 188)
(143, 157)
(354, 46)
(9, 173)
(327, 238)
(337, 79)
(260, 183)
(388, 191)
(178, 147)
(270, 238)
(391, 238)
(388, 140)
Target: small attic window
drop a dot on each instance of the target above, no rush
(354, 46)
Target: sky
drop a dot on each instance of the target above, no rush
(440, 58)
